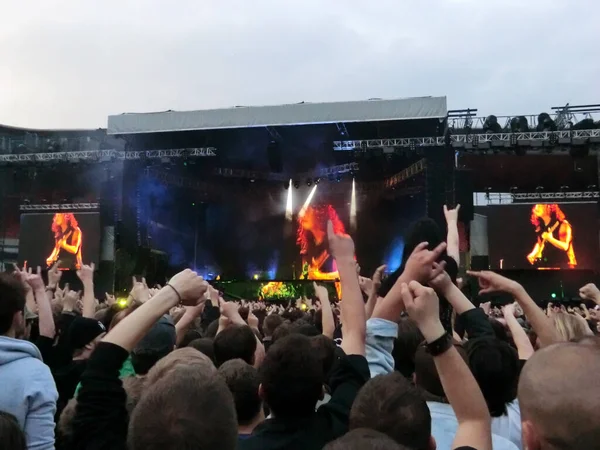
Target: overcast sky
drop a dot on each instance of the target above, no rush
(71, 63)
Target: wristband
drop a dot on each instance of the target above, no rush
(176, 291)
(440, 345)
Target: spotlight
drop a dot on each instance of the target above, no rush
(491, 125)
(514, 189)
(564, 188)
(412, 145)
(539, 189)
(513, 140)
(296, 184)
(553, 139)
(286, 186)
(592, 187)
(545, 123)
(519, 124)
(338, 178)
(317, 180)
(308, 182)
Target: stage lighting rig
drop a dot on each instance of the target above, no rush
(308, 182)
(519, 125)
(297, 184)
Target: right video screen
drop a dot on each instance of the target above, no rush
(543, 236)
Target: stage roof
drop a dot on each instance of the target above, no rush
(281, 115)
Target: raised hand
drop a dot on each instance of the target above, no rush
(321, 292)
(110, 299)
(189, 286)
(451, 214)
(378, 276)
(86, 273)
(419, 266)
(423, 306)
(252, 319)
(366, 285)
(441, 282)
(590, 292)
(54, 275)
(34, 280)
(492, 282)
(140, 291)
(341, 246)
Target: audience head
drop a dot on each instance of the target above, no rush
(495, 366)
(405, 346)
(189, 409)
(292, 377)
(204, 346)
(11, 435)
(391, 405)
(235, 341)
(570, 327)
(12, 306)
(83, 336)
(243, 382)
(364, 439)
(158, 343)
(183, 357)
(271, 323)
(557, 397)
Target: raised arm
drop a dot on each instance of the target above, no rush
(460, 387)
(519, 336)
(326, 311)
(492, 282)
(185, 287)
(372, 289)
(352, 305)
(452, 238)
(86, 275)
(46, 320)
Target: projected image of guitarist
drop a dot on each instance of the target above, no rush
(67, 242)
(554, 246)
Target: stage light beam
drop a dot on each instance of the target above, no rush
(308, 200)
(353, 206)
(288, 203)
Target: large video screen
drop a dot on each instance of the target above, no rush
(251, 236)
(543, 236)
(73, 238)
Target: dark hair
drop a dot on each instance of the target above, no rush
(500, 330)
(406, 345)
(426, 373)
(143, 362)
(292, 377)
(12, 301)
(190, 335)
(204, 346)
(325, 350)
(390, 404)
(283, 330)
(495, 366)
(364, 439)
(304, 327)
(187, 409)
(235, 341)
(211, 329)
(11, 435)
(243, 382)
(271, 323)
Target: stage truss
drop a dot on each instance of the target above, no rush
(61, 207)
(99, 156)
(555, 138)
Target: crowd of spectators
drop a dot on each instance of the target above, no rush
(405, 362)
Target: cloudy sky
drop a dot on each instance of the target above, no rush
(71, 63)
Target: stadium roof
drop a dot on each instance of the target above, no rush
(281, 115)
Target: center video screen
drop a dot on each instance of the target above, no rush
(73, 238)
(547, 236)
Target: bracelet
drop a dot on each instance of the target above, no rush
(440, 345)
(175, 290)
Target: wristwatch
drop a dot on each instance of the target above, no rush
(440, 345)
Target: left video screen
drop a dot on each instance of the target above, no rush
(73, 238)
